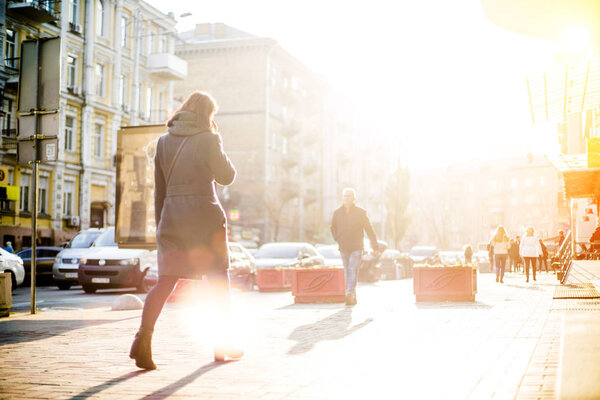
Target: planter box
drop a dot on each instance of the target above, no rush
(5, 294)
(319, 285)
(445, 283)
(274, 279)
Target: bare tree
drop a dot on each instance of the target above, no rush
(274, 202)
(397, 197)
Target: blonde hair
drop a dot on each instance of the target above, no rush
(530, 231)
(500, 234)
(204, 106)
(349, 190)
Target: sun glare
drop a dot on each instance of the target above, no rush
(576, 40)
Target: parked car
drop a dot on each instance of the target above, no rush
(13, 264)
(287, 254)
(390, 264)
(242, 267)
(44, 261)
(331, 254)
(66, 264)
(451, 257)
(482, 260)
(106, 266)
(424, 254)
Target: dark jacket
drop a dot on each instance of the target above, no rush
(348, 229)
(191, 225)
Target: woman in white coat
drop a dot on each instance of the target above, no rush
(530, 250)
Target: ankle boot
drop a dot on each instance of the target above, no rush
(141, 349)
(227, 350)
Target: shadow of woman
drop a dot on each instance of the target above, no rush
(334, 327)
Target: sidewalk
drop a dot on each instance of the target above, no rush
(505, 345)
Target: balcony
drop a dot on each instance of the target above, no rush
(36, 10)
(167, 66)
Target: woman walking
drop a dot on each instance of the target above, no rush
(500, 244)
(191, 226)
(530, 250)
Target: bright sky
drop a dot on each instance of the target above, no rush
(434, 73)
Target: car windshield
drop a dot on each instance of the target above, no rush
(278, 250)
(329, 252)
(107, 238)
(422, 252)
(83, 240)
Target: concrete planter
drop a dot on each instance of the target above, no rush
(274, 279)
(445, 283)
(5, 294)
(318, 285)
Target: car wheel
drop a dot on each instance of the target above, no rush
(142, 286)
(63, 285)
(89, 289)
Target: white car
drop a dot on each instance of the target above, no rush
(66, 264)
(106, 266)
(331, 253)
(14, 264)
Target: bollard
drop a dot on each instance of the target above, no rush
(5, 294)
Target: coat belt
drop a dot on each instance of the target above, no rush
(188, 190)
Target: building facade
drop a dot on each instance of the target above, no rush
(117, 69)
(464, 204)
(295, 150)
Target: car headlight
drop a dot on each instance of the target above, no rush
(129, 261)
(57, 260)
(83, 261)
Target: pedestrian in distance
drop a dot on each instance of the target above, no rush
(513, 255)
(468, 254)
(530, 250)
(560, 239)
(191, 225)
(543, 258)
(500, 244)
(520, 264)
(490, 249)
(348, 227)
(9, 247)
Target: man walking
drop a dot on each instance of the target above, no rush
(348, 227)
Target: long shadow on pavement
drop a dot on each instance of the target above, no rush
(334, 327)
(450, 304)
(20, 331)
(115, 381)
(167, 391)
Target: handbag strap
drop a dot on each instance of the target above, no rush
(168, 176)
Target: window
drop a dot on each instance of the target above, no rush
(122, 89)
(74, 12)
(140, 102)
(69, 199)
(24, 192)
(149, 103)
(10, 49)
(162, 107)
(8, 120)
(98, 140)
(43, 195)
(69, 133)
(142, 39)
(163, 44)
(542, 180)
(124, 36)
(100, 79)
(48, 5)
(100, 18)
(71, 71)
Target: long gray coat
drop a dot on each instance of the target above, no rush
(191, 224)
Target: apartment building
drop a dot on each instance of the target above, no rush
(117, 69)
(465, 203)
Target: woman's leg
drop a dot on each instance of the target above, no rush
(527, 261)
(155, 300)
(141, 348)
(502, 267)
(533, 260)
(497, 265)
(219, 292)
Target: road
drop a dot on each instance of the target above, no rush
(51, 298)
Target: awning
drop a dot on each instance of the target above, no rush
(582, 184)
(564, 90)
